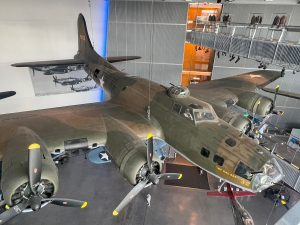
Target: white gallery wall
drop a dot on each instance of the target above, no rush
(34, 30)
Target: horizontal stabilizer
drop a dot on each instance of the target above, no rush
(283, 93)
(69, 62)
(49, 63)
(236, 194)
(114, 59)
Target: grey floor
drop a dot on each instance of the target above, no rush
(103, 187)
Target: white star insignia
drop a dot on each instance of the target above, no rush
(104, 156)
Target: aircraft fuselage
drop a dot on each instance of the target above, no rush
(211, 144)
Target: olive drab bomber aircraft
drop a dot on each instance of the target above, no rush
(137, 110)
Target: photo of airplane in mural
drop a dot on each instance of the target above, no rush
(60, 69)
(83, 88)
(70, 80)
(67, 76)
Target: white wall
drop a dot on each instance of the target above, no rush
(33, 30)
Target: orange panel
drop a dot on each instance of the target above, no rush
(197, 60)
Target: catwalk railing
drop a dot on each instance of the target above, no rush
(266, 44)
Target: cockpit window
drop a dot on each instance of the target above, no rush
(195, 106)
(195, 112)
(244, 171)
(199, 116)
(176, 108)
(187, 113)
(219, 160)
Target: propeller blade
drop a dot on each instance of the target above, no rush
(275, 95)
(12, 212)
(35, 165)
(283, 93)
(170, 176)
(149, 150)
(134, 192)
(67, 202)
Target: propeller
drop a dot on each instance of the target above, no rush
(12, 212)
(275, 94)
(35, 166)
(277, 112)
(149, 176)
(55, 80)
(33, 193)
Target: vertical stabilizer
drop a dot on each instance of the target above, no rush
(85, 48)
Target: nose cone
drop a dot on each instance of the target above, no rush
(271, 173)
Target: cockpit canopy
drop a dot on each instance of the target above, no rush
(195, 110)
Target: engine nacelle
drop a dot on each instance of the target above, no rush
(133, 163)
(255, 103)
(15, 167)
(129, 154)
(238, 121)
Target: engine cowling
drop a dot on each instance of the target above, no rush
(238, 121)
(15, 167)
(129, 154)
(133, 163)
(255, 103)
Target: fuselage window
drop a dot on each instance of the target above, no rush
(176, 108)
(219, 160)
(244, 171)
(202, 116)
(230, 141)
(205, 152)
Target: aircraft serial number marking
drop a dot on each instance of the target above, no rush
(242, 181)
(82, 37)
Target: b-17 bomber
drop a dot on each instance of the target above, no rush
(137, 110)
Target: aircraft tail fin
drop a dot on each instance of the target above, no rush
(85, 47)
(86, 50)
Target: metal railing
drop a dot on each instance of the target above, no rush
(270, 45)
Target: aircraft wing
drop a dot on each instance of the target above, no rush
(57, 127)
(246, 81)
(239, 90)
(60, 128)
(226, 91)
